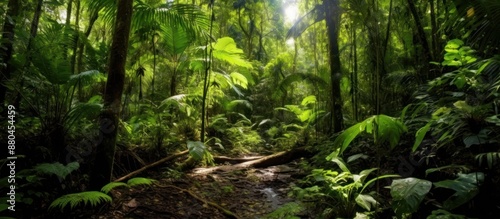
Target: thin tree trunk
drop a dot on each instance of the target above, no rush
(6, 48)
(33, 33)
(434, 29)
(208, 60)
(76, 38)
(69, 10)
(356, 95)
(332, 22)
(154, 67)
(103, 163)
(81, 48)
(422, 38)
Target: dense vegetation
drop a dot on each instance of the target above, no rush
(392, 104)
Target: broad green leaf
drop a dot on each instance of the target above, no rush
(341, 164)
(454, 44)
(308, 100)
(366, 201)
(460, 81)
(225, 49)
(408, 193)
(196, 149)
(419, 136)
(462, 105)
(466, 187)
(460, 167)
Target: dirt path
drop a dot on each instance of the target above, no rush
(248, 193)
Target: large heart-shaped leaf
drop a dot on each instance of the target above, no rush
(408, 193)
(466, 186)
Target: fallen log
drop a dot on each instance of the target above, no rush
(270, 160)
(233, 160)
(156, 163)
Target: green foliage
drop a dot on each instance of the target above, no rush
(287, 211)
(462, 101)
(442, 214)
(490, 158)
(225, 50)
(458, 55)
(466, 187)
(383, 129)
(108, 187)
(196, 149)
(344, 190)
(57, 169)
(94, 198)
(140, 181)
(408, 193)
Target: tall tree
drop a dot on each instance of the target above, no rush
(103, 164)
(329, 11)
(6, 47)
(332, 9)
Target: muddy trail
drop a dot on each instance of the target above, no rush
(241, 193)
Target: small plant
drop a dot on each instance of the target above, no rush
(95, 198)
(287, 211)
(31, 181)
(341, 193)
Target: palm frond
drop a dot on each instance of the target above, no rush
(86, 77)
(83, 110)
(176, 38)
(478, 22)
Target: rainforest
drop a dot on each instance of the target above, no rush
(272, 109)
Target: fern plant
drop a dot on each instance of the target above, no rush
(341, 192)
(95, 198)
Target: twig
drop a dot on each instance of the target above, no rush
(171, 157)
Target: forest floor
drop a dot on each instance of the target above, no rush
(244, 193)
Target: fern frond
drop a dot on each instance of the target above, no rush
(57, 169)
(93, 198)
(108, 187)
(140, 181)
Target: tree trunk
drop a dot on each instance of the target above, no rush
(103, 163)
(76, 38)
(267, 161)
(6, 48)
(29, 55)
(422, 38)
(332, 8)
